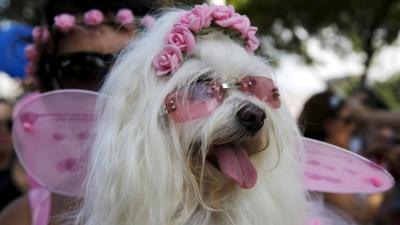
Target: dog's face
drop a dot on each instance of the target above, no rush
(219, 103)
(181, 148)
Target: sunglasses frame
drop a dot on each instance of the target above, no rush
(170, 106)
(62, 62)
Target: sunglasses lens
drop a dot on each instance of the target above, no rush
(200, 100)
(82, 68)
(263, 88)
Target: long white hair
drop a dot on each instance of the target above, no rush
(142, 169)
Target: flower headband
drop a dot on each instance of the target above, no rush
(66, 22)
(181, 39)
(40, 35)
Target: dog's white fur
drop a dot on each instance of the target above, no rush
(144, 167)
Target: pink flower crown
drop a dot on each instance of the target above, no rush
(66, 22)
(181, 39)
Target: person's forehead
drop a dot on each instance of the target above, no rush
(102, 39)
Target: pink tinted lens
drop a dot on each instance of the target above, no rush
(263, 88)
(200, 100)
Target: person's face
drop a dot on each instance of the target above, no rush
(5, 133)
(340, 129)
(103, 39)
(383, 147)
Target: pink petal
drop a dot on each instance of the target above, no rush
(148, 21)
(31, 53)
(64, 22)
(125, 16)
(93, 17)
(229, 22)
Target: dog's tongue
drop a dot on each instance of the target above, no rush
(235, 163)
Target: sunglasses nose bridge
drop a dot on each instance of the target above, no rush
(231, 86)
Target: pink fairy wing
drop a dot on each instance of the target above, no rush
(328, 168)
(22, 101)
(52, 137)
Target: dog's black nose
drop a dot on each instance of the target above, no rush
(251, 117)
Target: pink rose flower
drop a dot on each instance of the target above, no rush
(125, 17)
(148, 21)
(229, 22)
(252, 42)
(242, 25)
(40, 34)
(93, 17)
(64, 22)
(31, 53)
(204, 12)
(221, 12)
(192, 21)
(198, 18)
(168, 61)
(182, 37)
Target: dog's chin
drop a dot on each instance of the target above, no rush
(232, 159)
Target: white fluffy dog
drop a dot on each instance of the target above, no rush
(236, 165)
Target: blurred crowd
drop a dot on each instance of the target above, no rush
(363, 124)
(360, 122)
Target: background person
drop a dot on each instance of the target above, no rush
(380, 141)
(12, 176)
(74, 48)
(328, 117)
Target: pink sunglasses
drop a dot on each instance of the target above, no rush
(202, 98)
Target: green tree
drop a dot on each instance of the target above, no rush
(367, 24)
(389, 90)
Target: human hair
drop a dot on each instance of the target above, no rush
(319, 109)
